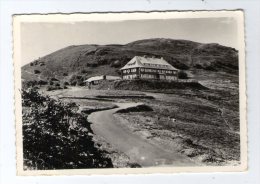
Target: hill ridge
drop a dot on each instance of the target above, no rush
(93, 59)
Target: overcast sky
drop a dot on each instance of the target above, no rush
(40, 39)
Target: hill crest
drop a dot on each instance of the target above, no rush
(92, 59)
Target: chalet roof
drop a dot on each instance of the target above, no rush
(145, 62)
(101, 77)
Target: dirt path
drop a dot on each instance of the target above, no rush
(137, 148)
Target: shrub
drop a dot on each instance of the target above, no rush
(49, 140)
(65, 74)
(138, 108)
(118, 72)
(80, 83)
(182, 75)
(50, 82)
(65, 83)
(32, 96)
(92, 64)
(73, 83)
(77, 80)
(210, 68)
(28, 84)
(51, 88)
(198, 66)
(54, 79)
(83, 71)
(36, 71)
(42, 82)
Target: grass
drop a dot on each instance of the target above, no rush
(207, 121)
(125, 96)
(138, 108)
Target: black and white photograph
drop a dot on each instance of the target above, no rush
(130, 92)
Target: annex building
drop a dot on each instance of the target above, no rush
(97, 79)
(149, 68)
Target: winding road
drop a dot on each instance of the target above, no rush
(138, 149)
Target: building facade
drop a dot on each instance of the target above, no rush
(149, 68)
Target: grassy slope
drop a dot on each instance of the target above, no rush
(107, 59)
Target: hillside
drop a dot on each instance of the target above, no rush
(88, 60)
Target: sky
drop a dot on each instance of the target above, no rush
(40, 39)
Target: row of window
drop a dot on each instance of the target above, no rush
(148, 76)
(130, 70)
(171, 78)
(159, 71)
(149, 70)
(156, 65)
(130, 76)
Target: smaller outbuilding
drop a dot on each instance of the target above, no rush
(97, 79)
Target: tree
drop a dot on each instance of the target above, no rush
(182, 75)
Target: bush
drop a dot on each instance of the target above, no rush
(198, 66)
(32, 96)
(119, 72)
(65, 74)
(80, 83)
(83, 71)
(50, 82)
(77, 80)
(92, 64)
(65, 83)
(49, 140)
(73, 83)
(138, 108)
(54, 79)
(28, 84)
(182, 75)
(36, 71)
(42, 82)
(51, 88)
